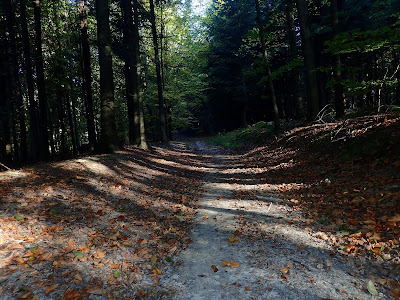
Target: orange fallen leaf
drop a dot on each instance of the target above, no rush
(156, 271)
(214, 267)
(20, 260)
(219, 198)
(237, 232)
(301, 247)
(51, 289)
(230, 263)
(246, 288)
(115, 266)
(100, 254)
(284, 270)
(25, 296)
(233, 239)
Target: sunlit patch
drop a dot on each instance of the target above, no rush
(12, 175)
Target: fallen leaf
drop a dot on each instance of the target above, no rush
(246, 288)
(116, 273)
(51, 289)
(72, 294)
(230, 263)
(214, 267)
(372, 289)
(301, 247)
(156, 271)
(284, 270)
(25, 296)
(96, 290)
(233, 239)
(115, 266)
(237, 232)
(395, 293)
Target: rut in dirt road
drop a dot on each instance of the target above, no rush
(285, 261)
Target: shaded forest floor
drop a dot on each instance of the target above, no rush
(110, 227)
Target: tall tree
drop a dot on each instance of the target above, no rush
(41, 87)
(338, 87)
(108, 139)
(297, 102)
(161, 105)
(268, 68)
(131, 83)
(15, 81)
(87, 73)
(33, 109)
(309, 59)
(137, 77)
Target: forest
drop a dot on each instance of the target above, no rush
(79, 76)
(199, 149)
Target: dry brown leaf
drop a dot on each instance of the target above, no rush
(246, 288)
(230, 263)
(71, 294)
(233, 239)
(156, 271)
(51, 289)
(96, 290)
(284, 270)
(214, 267)
(115, 266)
(28, 295)
(100, 254)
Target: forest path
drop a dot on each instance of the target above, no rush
(285, 261)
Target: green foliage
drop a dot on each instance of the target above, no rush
(256, 134)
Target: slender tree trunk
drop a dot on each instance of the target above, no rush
(61, 117)
(33, 109)
(41, 88)
(131, 83)
(142, 128)
(108, 141)
(269, 75)
(163, 120)
(309, 59)
(70, 102)
(298, 103)
(15, 81)
(87, 74)
(5, 139)
(338, 87)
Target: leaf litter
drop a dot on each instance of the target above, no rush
(290, 220)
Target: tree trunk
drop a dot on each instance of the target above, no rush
(338, 87)
(41, 88)
(15, 81)
(269, 75)
(161, 106)
(142, 128)
(298, 101)
(309, 59)
(131, 83)
(87, 74)
(108, 141)
(70, 103)
(33, 109)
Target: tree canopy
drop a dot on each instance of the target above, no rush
(85, 75)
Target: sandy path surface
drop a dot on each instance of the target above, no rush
(286, 261)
